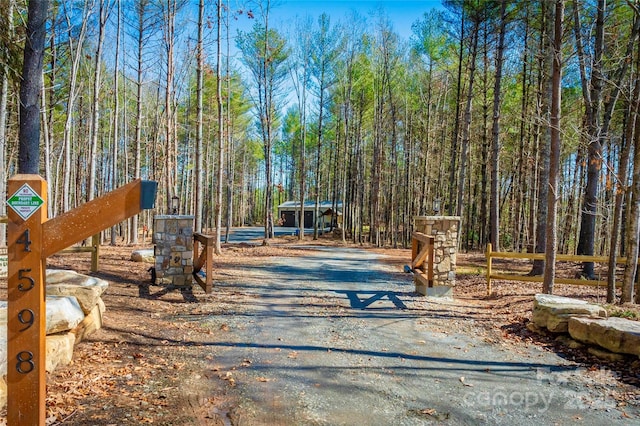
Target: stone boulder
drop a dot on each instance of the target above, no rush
(553, 312)
(86, 289)
(63, 313)
(74, 310)
(3, 313)
(3, 350)
(3, 392)
(59, 350)
(90, 323)
(617, 335)
(144, 255)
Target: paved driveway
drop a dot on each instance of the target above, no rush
(336, 338)
(255, 233)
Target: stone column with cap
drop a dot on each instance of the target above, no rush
(173, 239)
(445, 230)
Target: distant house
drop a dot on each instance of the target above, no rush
(288, 213)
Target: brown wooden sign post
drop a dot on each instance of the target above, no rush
(26, 322)
(32, 238)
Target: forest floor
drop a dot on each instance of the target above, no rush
(146, 365)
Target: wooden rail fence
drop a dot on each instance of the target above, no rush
(203, 258)
(539, 278)
(422, 257)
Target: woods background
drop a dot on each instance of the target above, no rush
(234, 115)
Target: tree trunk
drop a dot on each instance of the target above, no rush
(220, 166)
(199, 190)
(4, 92)
(170, 152)
(104, 11)
(594, 160)
(49, 116)
(543, 136)
(141, 7)
(466, 130)
(554, 166)
(484, 148)
(29, 132)
(456, 128)
(494, 208)
(633, 230)
(76, 54)
(230, 145)
(621, 184)
(318, 164)
(116, 117)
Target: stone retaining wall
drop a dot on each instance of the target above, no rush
(586, 323)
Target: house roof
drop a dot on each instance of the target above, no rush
(308, 205)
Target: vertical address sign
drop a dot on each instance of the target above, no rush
(26, 320)
(32, 238)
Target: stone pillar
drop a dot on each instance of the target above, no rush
(173, 239)
(444, 229)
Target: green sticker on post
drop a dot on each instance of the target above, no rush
(25, 201)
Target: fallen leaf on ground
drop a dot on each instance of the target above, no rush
(466, 384)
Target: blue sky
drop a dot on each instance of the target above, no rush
(401, 13)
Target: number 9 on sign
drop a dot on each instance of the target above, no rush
(27, 320)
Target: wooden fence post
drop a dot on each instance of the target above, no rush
(431, 244)
(95, 254)
(489, 264)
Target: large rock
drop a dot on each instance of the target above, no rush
(90, 323)
(3, 392)
(63, 313)
(3, 352)
(617, 335)
(144, 255)
(59, 350)
(553, 312)
(69, 297)
(3, 313)
(86, 289)
(4, 263)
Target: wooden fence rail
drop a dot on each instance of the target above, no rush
(422, 257)
(539, 278)
(203, 258)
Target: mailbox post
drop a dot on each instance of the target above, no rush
(32, 238)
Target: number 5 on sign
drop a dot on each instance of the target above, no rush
(26, 378)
